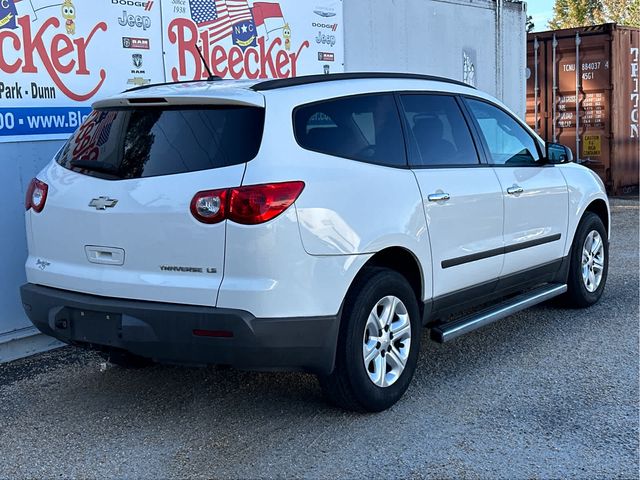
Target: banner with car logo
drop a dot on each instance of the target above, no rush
(57, 57)
(252, 39)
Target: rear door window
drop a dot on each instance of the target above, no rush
(437, 132)
(148, 142)
(364, 128)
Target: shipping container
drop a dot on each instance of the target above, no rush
(598, 66)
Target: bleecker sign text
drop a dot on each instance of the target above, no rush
(263, 61)
(61, 55)
(58, 57)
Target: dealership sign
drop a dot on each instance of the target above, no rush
(57, 57)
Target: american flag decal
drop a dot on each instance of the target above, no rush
(92, 135)
(104, 130)
(219, 16)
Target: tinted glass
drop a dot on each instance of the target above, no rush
(366, 128)
(509, 143)
(438, 130)
(147, 142)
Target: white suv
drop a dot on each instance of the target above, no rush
(315, 223)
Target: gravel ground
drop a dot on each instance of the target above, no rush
(547, 393)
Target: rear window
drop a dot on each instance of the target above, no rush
(148, 142)
(365, 128)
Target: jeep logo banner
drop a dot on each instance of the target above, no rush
(58, 57)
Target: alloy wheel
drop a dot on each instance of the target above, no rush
(592, 261)
(386, 341)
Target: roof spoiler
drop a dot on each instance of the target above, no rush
(168, 97)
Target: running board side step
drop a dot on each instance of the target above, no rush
(449, 331)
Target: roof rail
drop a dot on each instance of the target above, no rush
(310, 79)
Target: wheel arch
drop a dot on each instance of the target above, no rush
(600, 208)
(403, 261)
(586, 194)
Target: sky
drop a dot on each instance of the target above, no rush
(541, 11)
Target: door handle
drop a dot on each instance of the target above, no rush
(515, 190)
(438, 197)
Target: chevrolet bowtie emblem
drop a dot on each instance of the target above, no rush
(102, 203)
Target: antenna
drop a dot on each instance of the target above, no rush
(211, 75)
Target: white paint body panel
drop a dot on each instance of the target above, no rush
(268, 273)
(384, 208)
(302, 263)
(470, 222)
(540, 211)
(584, 188)
(151, 223)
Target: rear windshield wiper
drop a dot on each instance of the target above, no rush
(95, 166)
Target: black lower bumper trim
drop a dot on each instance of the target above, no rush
(165, 332)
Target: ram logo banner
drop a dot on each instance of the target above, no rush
(57, 57)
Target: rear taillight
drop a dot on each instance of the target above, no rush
(260, 203)
(248, 205)
(36, 195)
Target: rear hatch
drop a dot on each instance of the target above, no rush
(117, 219)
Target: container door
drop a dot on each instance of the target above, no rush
(625, 154)
(575, 64)
(585, 60)
(537, 88)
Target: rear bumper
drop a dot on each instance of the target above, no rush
(165, 332)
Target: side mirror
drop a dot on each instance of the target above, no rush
(557, 153)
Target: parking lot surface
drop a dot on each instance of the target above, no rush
(546, 393)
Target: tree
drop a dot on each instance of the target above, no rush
(575, 13)
(581, 13)
(624, 12)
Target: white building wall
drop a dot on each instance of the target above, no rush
(431, 37)
(514, 44)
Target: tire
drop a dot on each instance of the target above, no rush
(125, 359)
(581, 292)
(351, 386)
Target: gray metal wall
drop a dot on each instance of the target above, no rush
(430, 36)
(19, 163)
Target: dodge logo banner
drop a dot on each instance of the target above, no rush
(57, 57)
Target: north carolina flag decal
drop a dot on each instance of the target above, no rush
(267, 17)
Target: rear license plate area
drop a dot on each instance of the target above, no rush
(96, 327)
